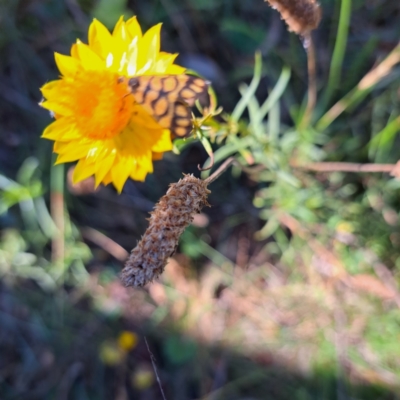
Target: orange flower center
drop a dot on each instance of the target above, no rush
(100, 104)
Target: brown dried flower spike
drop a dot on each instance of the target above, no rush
(171, 215)
(301, 16)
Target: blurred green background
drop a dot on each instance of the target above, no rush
(286, 288)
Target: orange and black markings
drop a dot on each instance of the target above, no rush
(169, 98)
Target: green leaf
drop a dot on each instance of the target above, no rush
(207, 146)
(181, 144)
(386, 136)
(275, 94)
(244, 101)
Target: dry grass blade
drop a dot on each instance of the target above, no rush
(383, 69)
(104, 242)
(348, 167)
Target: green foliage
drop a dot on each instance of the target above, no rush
(277, 150)
(382, 335)
(27, 192)
(353, 216)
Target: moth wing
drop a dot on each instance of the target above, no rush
(168, 98)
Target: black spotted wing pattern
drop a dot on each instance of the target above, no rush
(169, 98)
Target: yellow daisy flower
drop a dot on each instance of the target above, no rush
(96, 122)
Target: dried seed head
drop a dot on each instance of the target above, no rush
(301, 16)
(171, 215)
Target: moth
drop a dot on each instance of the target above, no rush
(169, 99)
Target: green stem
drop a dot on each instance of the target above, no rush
(56, 176)
(57, 210)
(335, 70)
(312, 81)
(243, 102)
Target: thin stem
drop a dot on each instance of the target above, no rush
(312, 79)
(346, 167)
(335, 70)
(57, 211)
(153, 362)
(228, 162)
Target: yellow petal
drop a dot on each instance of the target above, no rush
(100, 150)
(130, 67)
(99, 39)
(51, 88)
(56, 107)
(164, 143)
(74, 51)
(62, 129)
(175, 70)
(124, 48)
(121, 171)
(83, 170)
(89, 59)
(102, 153)
(149, 47)
(107, 179)
(99, 160)
(140, 173)
(142, 167)
(71, 151)
(164, 61)
(133, 27)
(67, 65)
(120, 32)
(56, 93)
(104, 168)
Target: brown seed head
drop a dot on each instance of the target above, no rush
(301, 16)
(171, 215)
